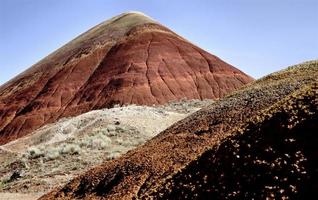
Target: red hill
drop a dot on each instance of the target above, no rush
(129, 59)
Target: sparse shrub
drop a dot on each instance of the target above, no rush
(84, 142)
(98, 141)
(34, 152)
(111, 128)
(70, 149)
(101, 143)
(120, 129)
(69, 129)
(103, 131)
(24, 161)
(52, 154)
(83, 123)
(4, 182)
(119, 140)
(15, 175)
(75, 168)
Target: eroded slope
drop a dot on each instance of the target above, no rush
(139, 171)
(127, 59)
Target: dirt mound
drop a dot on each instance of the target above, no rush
(146, 170)
(273, 156)
(129, 59)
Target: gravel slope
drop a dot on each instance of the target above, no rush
(273, 155)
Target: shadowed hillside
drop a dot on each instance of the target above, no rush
(273, 155)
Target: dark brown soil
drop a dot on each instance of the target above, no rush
(273, 156)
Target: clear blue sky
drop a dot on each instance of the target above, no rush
(257, 36)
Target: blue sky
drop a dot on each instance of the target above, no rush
(257, 36)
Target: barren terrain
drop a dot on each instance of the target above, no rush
(57, 152)
(144, 171)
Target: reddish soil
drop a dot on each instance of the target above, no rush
(142, 64)
(175, 163)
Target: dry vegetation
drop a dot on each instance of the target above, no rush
(57, 152)
(145, 169)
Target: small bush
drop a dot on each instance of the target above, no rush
(120, 129)
(33, 153)
(98, 141)
(69, 129)
(4, 182)
(119, 140)
(111, 128)
(70, 149)
(52, 154)
(101, 143)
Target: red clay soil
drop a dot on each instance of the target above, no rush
(146, 170)
(113, 63)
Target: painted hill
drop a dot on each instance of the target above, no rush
(129, 59)
(176, 158)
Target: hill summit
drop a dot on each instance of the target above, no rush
(129, 59)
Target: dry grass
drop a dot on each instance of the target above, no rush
(57, 152)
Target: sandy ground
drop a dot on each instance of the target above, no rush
(17, 196)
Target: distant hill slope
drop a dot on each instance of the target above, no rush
(129, 59)
(155, 168)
